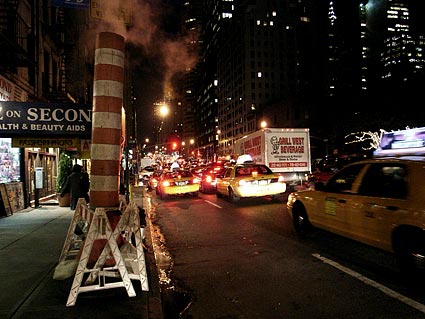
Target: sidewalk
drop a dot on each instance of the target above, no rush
(31, 242)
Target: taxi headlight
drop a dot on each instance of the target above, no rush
(242, 182)
(291, 199)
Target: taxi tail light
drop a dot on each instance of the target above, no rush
(281, 179)
(166, 183)
(196, 180)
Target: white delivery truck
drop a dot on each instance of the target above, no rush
(285, 150)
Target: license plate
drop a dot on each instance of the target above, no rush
(181, 183)
(263, 182)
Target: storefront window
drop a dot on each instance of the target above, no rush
(9, 159)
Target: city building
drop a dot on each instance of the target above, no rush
(256, 63)
(328, 65)
(35, 67)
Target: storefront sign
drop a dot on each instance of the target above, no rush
(6, 89)
(44, 119)
(39, 177)
(33, 142)
(75, 4)
(112, 10)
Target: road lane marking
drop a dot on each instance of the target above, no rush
(214, 204)
(412, 303)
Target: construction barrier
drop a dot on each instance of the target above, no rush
(104, 250)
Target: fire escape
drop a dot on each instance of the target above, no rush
(55, 82)
(15, 37)
(24, 39)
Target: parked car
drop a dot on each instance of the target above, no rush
(176, 183)
(249, 180)
(379, 202)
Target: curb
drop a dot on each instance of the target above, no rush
(154, 295)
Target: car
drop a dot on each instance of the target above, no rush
(177, 182)
(247, 179)
(209, 178)
(209, 173)
(153, 179)
(329, 165)
(377, 201)
(146, 173)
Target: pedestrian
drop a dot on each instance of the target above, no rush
(85, 185)
(73, 185)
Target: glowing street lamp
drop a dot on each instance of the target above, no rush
(164, 110)
(263, 124)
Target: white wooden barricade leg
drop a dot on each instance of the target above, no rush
(100, 228)
(81, 214)
(133, 254)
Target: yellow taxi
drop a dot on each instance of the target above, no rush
(379, 202)
(177, 182)
(247, 179)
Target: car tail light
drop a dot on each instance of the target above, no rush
(209, 179)
(281, 179)
(196, 180)
(166, 183)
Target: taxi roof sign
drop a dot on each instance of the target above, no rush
(403, 142)
(245, 158)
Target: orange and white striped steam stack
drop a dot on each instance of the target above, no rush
(106, 120)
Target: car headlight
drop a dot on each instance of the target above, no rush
(242, 182)
(291, 199)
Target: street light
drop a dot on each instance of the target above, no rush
(217, 144)
(191, 143)
(263, 124)
(164, 110)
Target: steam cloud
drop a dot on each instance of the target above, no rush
(144, 18)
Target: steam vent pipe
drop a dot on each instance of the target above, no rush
(106, 120)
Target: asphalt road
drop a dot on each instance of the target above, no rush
(243, 260)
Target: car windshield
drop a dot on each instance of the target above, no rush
(249, 170)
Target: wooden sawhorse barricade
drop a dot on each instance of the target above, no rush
(123, 247)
